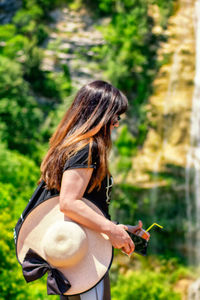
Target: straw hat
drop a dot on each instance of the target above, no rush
(48, 238)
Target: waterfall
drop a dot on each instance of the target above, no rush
(172, 87)
(193, 159)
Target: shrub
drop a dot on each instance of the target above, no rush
(14, 48)
(143, 285)
(18, 176)
(7, 32)
(19, 112)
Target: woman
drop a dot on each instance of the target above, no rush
(77, 166)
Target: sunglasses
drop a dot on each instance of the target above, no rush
(118, 119)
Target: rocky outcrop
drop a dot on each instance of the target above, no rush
(7, 9)
(70, 42)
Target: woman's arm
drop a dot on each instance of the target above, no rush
(73, 186)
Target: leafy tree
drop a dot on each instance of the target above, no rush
(128, 57)
(20, 116)
(28, 22)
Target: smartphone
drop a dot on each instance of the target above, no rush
(140, 244)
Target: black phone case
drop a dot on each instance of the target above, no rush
(140, 244)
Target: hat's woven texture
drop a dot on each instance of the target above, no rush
(82, 255)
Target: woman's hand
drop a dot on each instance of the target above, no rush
(120, 239)
(137, 228)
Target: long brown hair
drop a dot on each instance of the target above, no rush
(87, 121)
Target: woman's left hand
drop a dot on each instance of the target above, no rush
(136, 229)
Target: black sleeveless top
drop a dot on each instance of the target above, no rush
(100, 198)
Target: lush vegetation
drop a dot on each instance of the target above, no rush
(32, 101)
(24, 82)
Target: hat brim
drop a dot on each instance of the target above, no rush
(89, 271)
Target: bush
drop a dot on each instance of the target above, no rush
(23, 17)
(125, 142)
(12, 163)
(18, 176)
(7, 32)
(19, 112)
(15, 47)
(11, 280)
(143, 285)
(28, 22)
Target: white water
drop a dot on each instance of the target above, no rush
(193, 159)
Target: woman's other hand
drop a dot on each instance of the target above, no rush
(120, 239)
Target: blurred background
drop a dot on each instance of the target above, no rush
(150, 49)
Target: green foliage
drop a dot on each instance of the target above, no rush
(107, 6)
(41, 33)
(126, 146)
(18, 177)
(124, 205)
(15, 47)
(22, 79)
(129, 61)
(15, 191)
(45, 5)
(45, 84)
(144, 285)
(11, 280)
(125, 142)
(156, 204)
(21, 49)
(19, 113)
(24, 17)
(128, 57)
(153, 276)
(28, 22)
(12, 163)
(7, 32)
